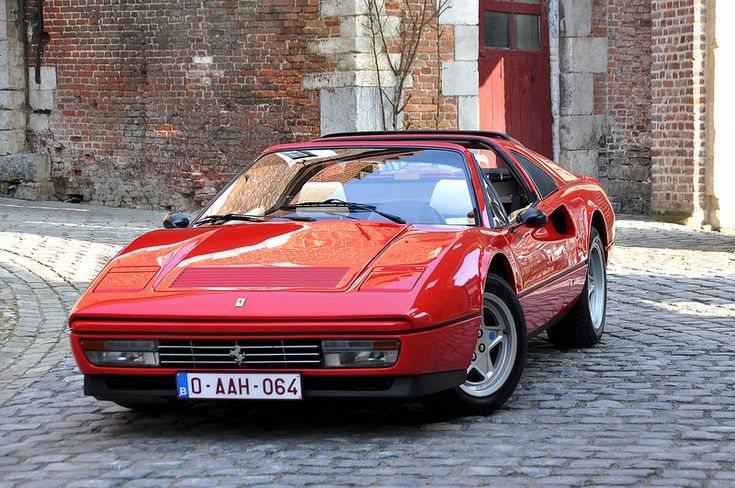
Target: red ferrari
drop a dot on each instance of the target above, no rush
(392, 265)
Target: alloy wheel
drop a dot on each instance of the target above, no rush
(495, 350)
(596, 284)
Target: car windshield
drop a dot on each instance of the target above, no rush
(417, 186)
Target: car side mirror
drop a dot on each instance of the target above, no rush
(532, 217)
(175, 221)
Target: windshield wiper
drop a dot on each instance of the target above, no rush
(247, 218)
(335, 202)
(209, 219)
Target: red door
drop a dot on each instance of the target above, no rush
(515, 79)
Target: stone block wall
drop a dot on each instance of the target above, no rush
(678, 108)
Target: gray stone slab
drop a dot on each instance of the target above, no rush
(48, 78)
(41, 99)
(575, 18)
(466, 42)
(580, 131)
(576, 94)
(583, 54)
(350, 109)
(12, 99)
(12, 141)
(462, 12)
(580, 162)
(460, 78)
(469, 112)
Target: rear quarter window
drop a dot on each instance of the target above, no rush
(544, 182)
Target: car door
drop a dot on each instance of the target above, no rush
(544, 255)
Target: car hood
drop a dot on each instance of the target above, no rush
(326, 255)
(291, 271)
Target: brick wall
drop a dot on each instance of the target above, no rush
(159, 103)
(678, 106)
(425, 94)
(625, 167)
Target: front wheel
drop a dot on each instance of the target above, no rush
(499, 355)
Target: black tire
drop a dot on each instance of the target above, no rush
(457, 400)
(578, 329)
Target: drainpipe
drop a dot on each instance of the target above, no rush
(553, 6)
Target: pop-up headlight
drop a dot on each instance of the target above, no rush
(392, 278)
(122, 279)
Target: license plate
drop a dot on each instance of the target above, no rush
(239, 386)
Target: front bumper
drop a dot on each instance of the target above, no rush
(160, 388)
(430, 360)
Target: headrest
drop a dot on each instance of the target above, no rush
(451, 198)
(318, 191)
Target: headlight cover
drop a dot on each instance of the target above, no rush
(121, 353)
(360, 353)
(126, 279)
(392, 278)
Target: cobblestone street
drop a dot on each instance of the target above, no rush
(652, 405)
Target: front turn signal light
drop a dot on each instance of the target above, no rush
(121, 353)
(392, 278)
(360, 353)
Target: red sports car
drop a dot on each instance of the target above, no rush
(393, 265)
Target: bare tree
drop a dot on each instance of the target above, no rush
(399, 49)
(441, 7)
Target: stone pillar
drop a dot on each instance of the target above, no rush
(349, 95)
(461, 76)
(720, 177)
(582, 57)
(12, 81)
(625, 168)
(553, 6)
(22, 174)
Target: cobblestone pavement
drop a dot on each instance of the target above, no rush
(653, 404)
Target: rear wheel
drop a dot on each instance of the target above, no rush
(499, 355)
(585, 323)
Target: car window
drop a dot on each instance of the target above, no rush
(498, 216)
(545, 184)
(511, 192)
(421, 186)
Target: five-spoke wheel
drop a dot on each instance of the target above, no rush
(499, 355)
(495, 350)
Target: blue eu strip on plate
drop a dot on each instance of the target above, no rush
(182, 385)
